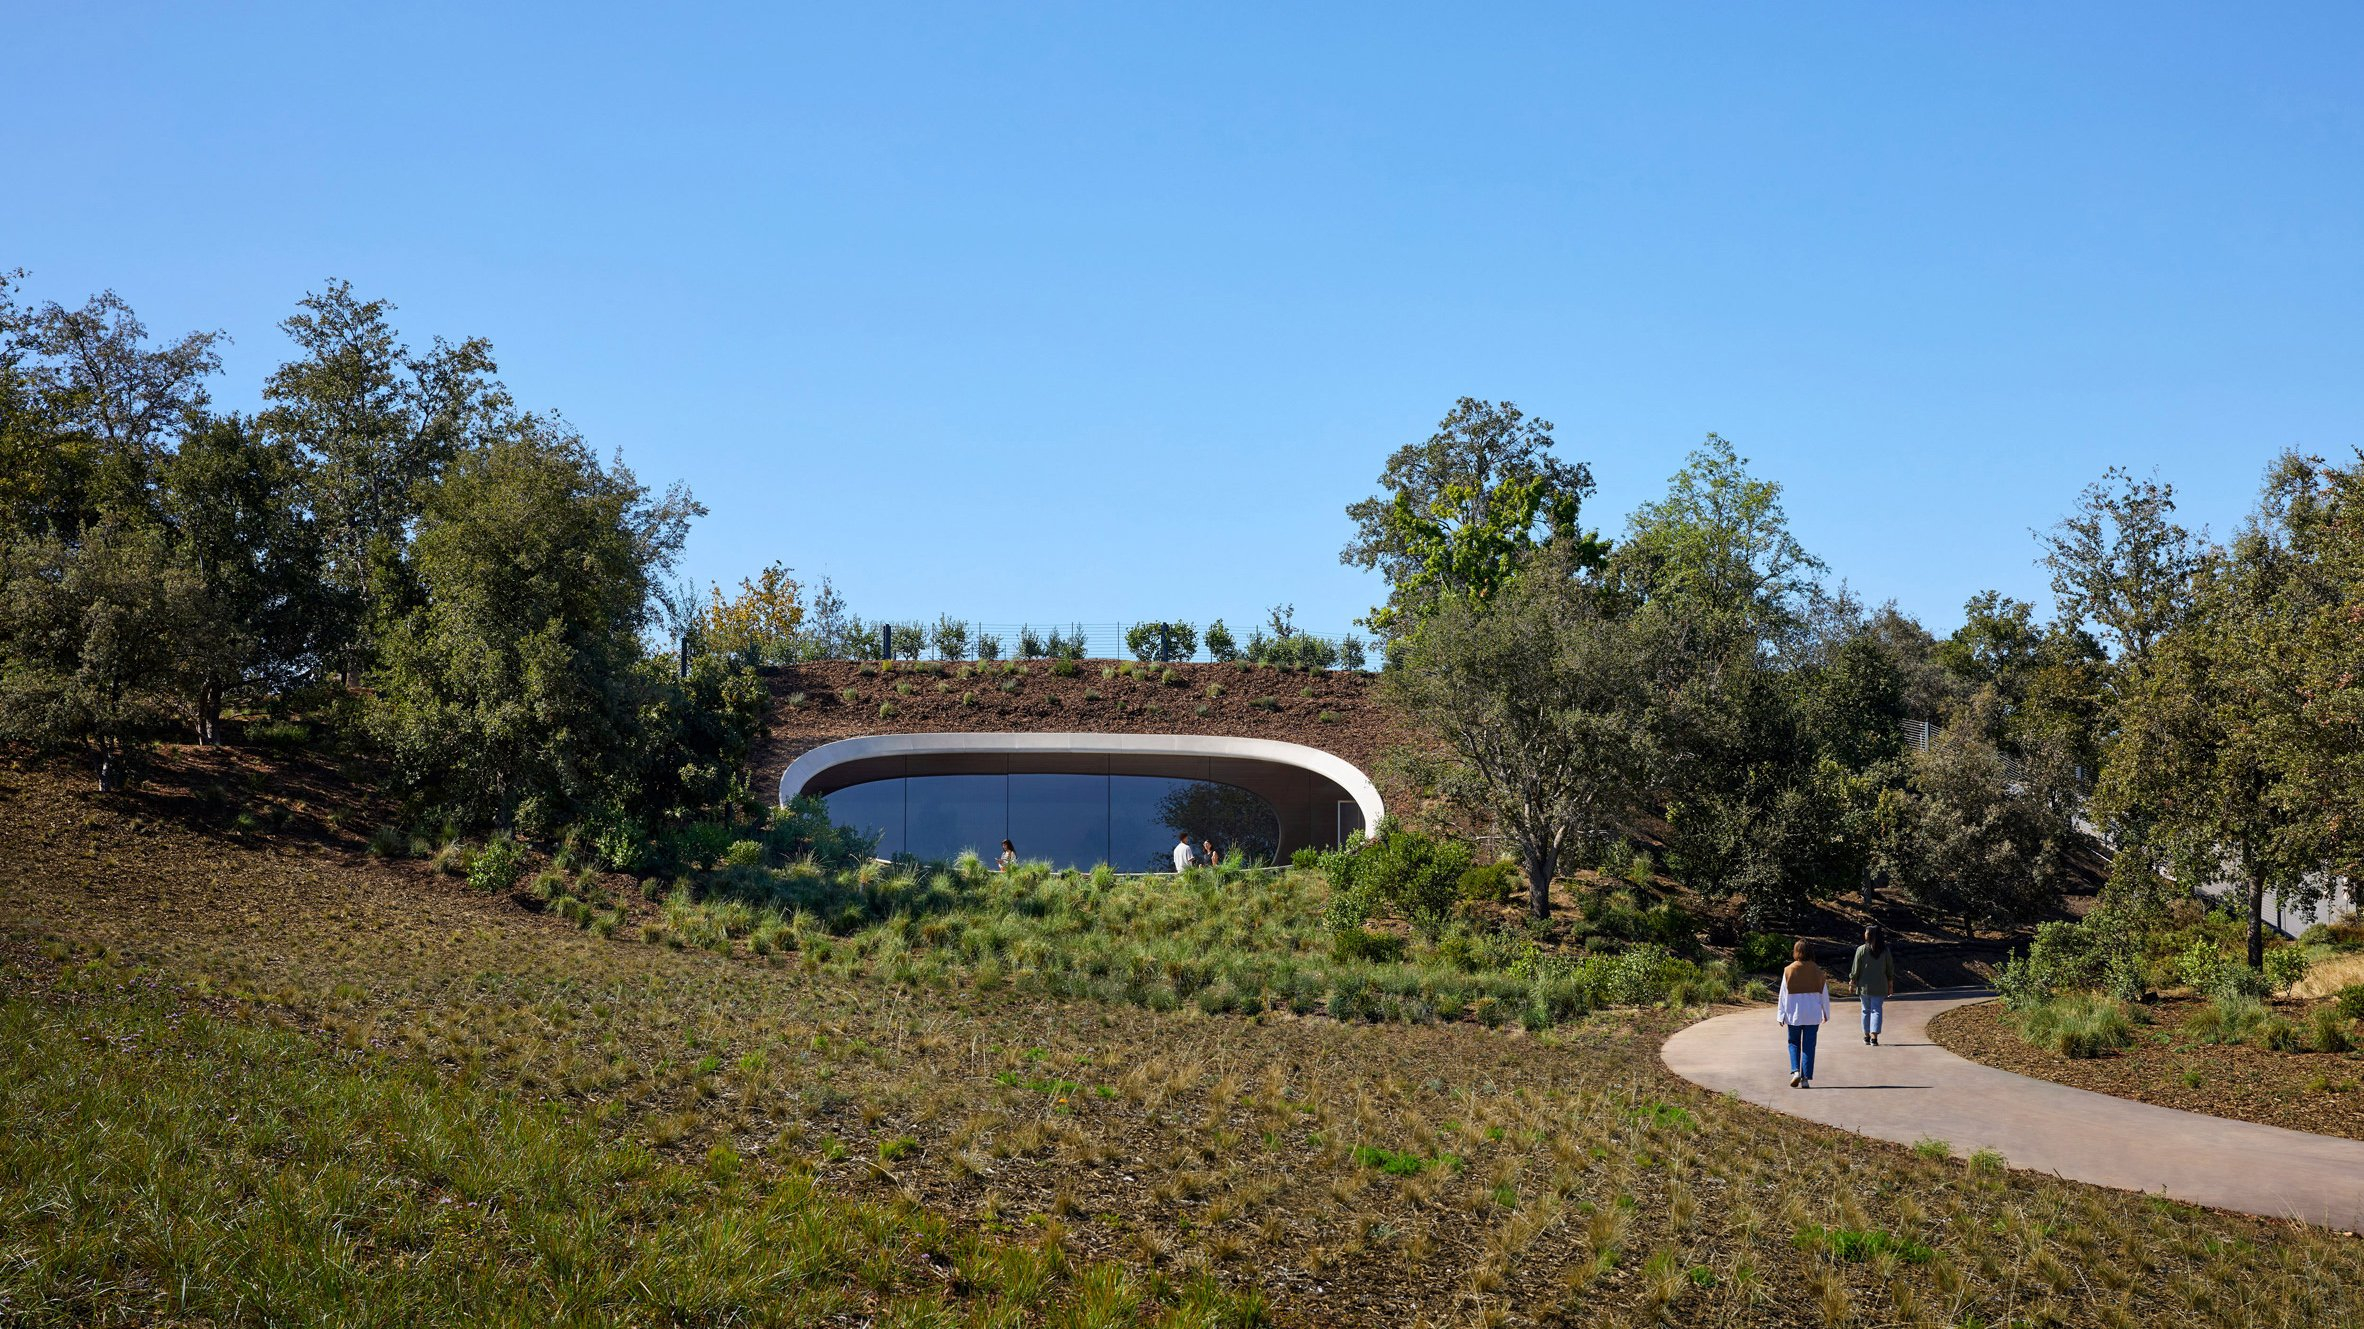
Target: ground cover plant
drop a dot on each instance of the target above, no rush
(165, 1161)
(1401, 928)
(1585, 1184)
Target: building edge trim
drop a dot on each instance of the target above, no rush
(1338, 770)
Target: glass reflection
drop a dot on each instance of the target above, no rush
(1062, 818)
(872, 809)
(1071, 821)
(944, 814)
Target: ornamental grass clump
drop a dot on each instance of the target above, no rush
(2227, 1020)
(2078, 1025)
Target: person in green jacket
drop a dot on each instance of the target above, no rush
(1874, 977)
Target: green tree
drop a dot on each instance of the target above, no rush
(89, 641)
(1998, 642)
(378, 425)
(88, 409)
(1720, 540)
(2121, 561)
(2211, 728)
(1736, 626)
(511, 693)
(106, 384)
(2320, 663)
(232, 500)
(1534, 701)
(1982, 839)
(1458, 512)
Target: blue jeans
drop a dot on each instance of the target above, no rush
(1871, 1012)
(1801, 1048)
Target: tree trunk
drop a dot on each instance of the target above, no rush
(109, 772)
(2257, 920)
(209, 715)
(1540, 867)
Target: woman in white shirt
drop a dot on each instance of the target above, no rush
(1803, 1009)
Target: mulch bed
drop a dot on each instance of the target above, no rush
(2319, 1092)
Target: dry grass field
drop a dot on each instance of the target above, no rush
(259, 1074)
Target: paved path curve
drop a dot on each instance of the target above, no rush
(1909, 1089)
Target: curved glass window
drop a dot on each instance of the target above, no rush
(1073, 821)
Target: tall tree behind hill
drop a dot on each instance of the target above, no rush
(1459, 511)
(1979, 837)
(89, 408)
(512, 692)
(2120, 561)
(378, 424)
(1723, 596)
(2046, 687)
(1719, 545)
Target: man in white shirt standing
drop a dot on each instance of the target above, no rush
(1183, 857)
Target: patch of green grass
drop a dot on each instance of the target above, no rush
(1403, 1162)
(1856, 1245)
(1668, 1116)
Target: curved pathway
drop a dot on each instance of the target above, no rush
(1909, 1089)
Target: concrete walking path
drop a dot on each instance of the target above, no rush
(1909, 1089)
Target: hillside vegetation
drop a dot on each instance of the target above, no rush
(1344, 1173)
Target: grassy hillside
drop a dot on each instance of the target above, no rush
(290, 1031)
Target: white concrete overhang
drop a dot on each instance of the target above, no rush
(1339, 771)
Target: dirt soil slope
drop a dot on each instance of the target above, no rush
(828, 700)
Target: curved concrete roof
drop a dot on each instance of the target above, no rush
(1336, 769)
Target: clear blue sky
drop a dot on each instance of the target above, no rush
(1104, 312)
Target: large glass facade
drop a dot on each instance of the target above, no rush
(1073, 821)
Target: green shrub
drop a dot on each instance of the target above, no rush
(1305, 857)
(1266, 703)
(2285, 966)
(497, 866)
(2351, 1001)
(389, 842)
(620, 843)
(1762, 953)
(1221, 647)
(1065, 667)
(701, 844)
(1416, 873)
(2343, 936)
(1354, 944)
(2278, 1035)
(1488, 885)
(743, 854)
(2210, 972)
